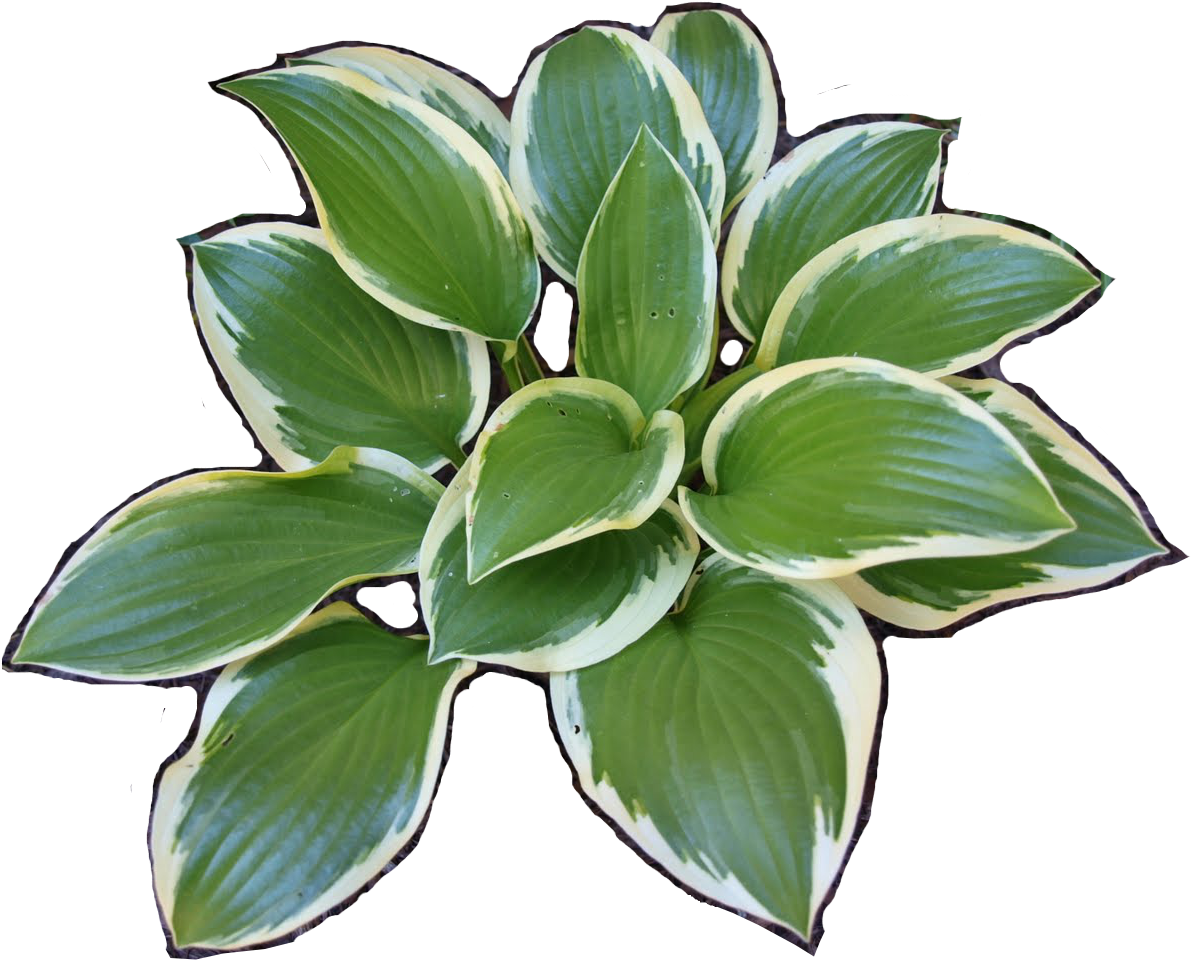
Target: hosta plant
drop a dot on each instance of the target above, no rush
(698, 563)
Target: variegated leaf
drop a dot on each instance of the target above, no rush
(314, 765)
(413, 208)
(698, 412)
(578, 109)
(314, 362)
(824, 189)
(731, 743)
(1110, 537)
(825, 467)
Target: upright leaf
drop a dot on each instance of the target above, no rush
(413, 208)
(560, 610)
(219, 565)
(731, 743)
(824, 189)
(822, 468)
(728, 68)
(313, 766)
(578, 110)
(935, 294)
(646, 282)
(314, 362)
(699, 411)
(1109, 539)
(561, 460)
(436, 87)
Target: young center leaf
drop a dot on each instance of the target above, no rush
(731, 743)
(415, 77)
(315, 362)
(728, 68)
(560, 610)
(578, 110)
(700, 410)
(1110, 537)
(561, 460)
(935, 294)
(824, 467)
(413, 208)
(314, 765)
(646, 282)
(218, 565)
(824, 189)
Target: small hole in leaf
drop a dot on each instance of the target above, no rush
(732, 352)
(653, 314)
(561, 412)
(505, 495)
(228, 739)
(670, 312)
(576, 728)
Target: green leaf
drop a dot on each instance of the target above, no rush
(728, 68)
(1110, 537)
(935, 294)
(578, 110)
(219, 565)
(561, 460)
(646, 282)
(824, 189)
(824, 467)
(731, 742)
(314, 362)
(415, 77)
(698, 412)
(413, 208)
(314, 765)
(555, 611)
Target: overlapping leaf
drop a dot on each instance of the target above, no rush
(646, 282)
(824, 467)
(731, 742)
(728, 68)
(417, 77)
(935, 294)
(578, 110)
(700, 410)
(218, 565)
(314, 764)
(314, 362)
(561, 460)
(826, 188)
(1110, 537)
(560, 610)
(415, 211)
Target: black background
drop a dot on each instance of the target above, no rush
(1016, 797)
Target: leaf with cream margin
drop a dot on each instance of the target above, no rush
(1110, 537)
(568, 608)
(218, 565)
(314, 765)
(564, 459)
(435, 86)
(731, 743)
(727, 66)
(827, 187)
(646, 282)
(578, 110)
(413, 208)
(935, 294)
(824, 467)
(315, 362)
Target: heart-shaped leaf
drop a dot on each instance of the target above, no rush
(824, 467)
(314, 765)
(824, 189)
(935, 294)
(728, 68)
(560, 610)
(414, 210)
(1110, 537)
(219, 565)
(578, 110)
(561, 460)
(731, 743)
(646, 282)
(314, 362)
